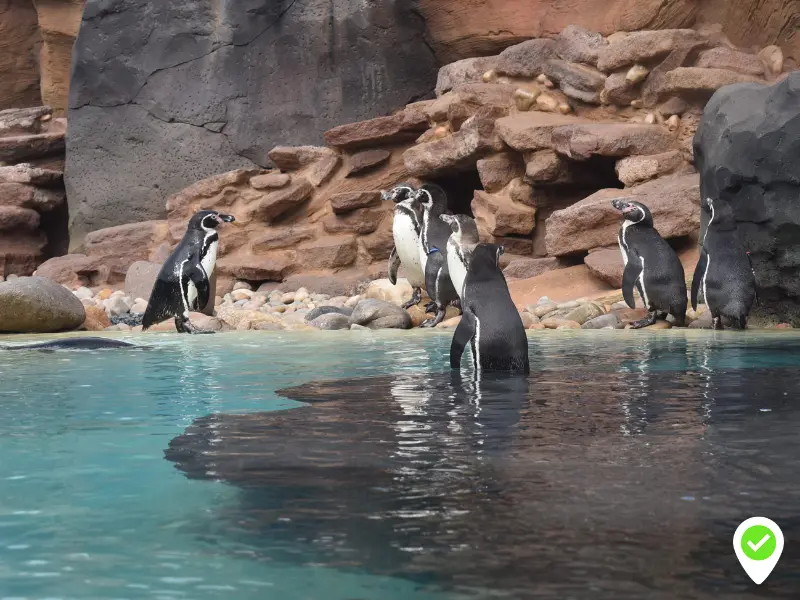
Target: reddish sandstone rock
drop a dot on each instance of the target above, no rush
(140, 279)
(638, 169)
(699, 82)
(118, 247)
(28, 196)
(252, 268)
(328, 252)
(526, 59)
(525, 268)
(382, 130)
(21, 252)
(643, 46)
(498, 170)
(281, 237)
(270, 181)
(19, 148)
(464, 101)
(577, 81)
(28, 174)
(606, 265)
(13, 218)
(276, 203)
(579, 45)
(592, 223)
(366, 160)
(500, 215)
(731, 60)
(361, 221)
(581, 142)
(96, 319)
(545, 166)
(74, 271)
(468, 70)
(619, 90)
(531, 131)
(349, 201)
(317, 163)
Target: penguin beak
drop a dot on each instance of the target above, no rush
(226, 218)
(622, 206)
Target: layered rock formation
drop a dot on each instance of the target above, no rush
(201, 87)
(19, 43)
(33, 218)
(747, 150)
(533, 142)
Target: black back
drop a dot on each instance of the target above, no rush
(437, 232)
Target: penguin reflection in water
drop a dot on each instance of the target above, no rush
(184, 282)
(406, 229)
(490, 322)
(724, 271)
(651, 266)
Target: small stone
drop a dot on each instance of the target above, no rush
(524, 99)
(772, 56)
(242, 285)
(449, 323)
(290, 308)
(602, 322)
(637, 103)
(279, 308)
(104, 294)
(545, 309)
(584, 313)
(241, 294)
(288, 298)
(83, 293)
(537, 326)
(489, 76)
(270, 181)
(673, 123)
(528, 319)
(650, 119)
(96, 319)
(353, 301)
(568, 305)
(300, 296)
(116, 306)
(139, 307)
(637, 74)
(547, 103)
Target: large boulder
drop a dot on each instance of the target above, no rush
(746, 149)
(19, 38)
(38, 305)
(183, 90)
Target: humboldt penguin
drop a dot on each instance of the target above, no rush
(433, 251)
(490, 322)
(183, 284)
(406, 229)
(651, 265)
(724, 271)
(463, 237)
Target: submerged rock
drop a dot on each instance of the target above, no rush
(38, 305)
(377, 314)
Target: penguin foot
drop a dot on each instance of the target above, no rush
(430, 306)
(416, 296)
(183, 325)
(646, 322)
(716, 322)
(436, 320)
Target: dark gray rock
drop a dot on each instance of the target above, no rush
(377, 314)
(165, 94)
(326, 310)
(601, 322)
(331, 321)
(746, 150)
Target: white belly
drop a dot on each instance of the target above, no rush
(705, 276)
(406, 242)
(623, 250)
(210, 259)
(644, 289)
(458, 273)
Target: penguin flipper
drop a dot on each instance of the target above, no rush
(165, 302)
(433, 267)
(464, 333)
(394, 265)
(697, 279)
(198, 276)
(629, 278)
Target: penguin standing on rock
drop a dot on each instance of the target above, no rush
(462, 240)
(433, 251)
(490, 323)
(651, 266)
(183, 284)
(724, 271)
(406, 229)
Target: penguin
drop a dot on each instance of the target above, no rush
(724, 270)
(463, 237)
(433, 251)
(183, 284)
(406, 228)
(77, 343)
(651, 266)
(490, 322)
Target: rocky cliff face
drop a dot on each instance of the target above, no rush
(178, 91)
(747, 150)
(19, 44)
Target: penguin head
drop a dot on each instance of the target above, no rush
(208, 220)
(633, 211)
(486, 255)
(432, 198)
(464, 228)
(399, 193)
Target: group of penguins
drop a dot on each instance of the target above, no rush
(442, 252)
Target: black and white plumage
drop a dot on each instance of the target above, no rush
(433, 251)
(463, 237)
(724, 272)
(184, 282)
(651, 266)
(490, 322)
(406, 230)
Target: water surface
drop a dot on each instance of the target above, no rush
(355, 465)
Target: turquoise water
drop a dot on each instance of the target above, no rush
(615, 471)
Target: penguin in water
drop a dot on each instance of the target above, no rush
(463, 237)
(183, 284)
(724, 271)
(651, 266)
(490, 323)
(406, 228)
(433, 251)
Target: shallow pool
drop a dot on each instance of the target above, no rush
(619, 469)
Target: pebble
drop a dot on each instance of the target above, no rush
(241, 295)
(116, 306)
(528, 319)
(83, 293)
(352, 301)
(288, 298)
(242, 285)
(545, 309)
(279, 309)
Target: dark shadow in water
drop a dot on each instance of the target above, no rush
(568, 484)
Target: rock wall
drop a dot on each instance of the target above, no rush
(533, 142)
(747, 150)
(19, 46)
(33, 218)
(183, 90)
